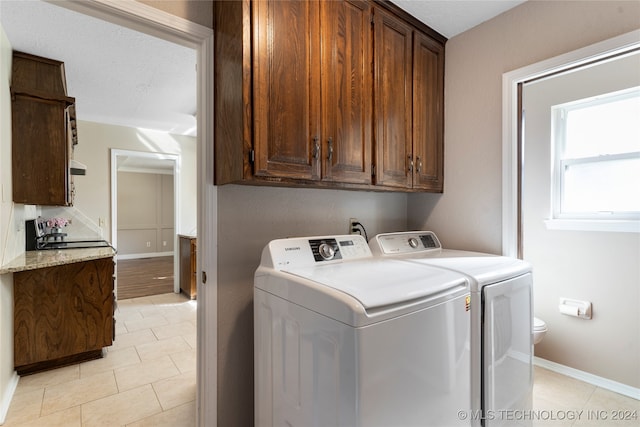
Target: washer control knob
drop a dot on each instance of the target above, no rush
(413, 242)
(326, 251)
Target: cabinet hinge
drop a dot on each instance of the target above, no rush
(373, 170)
(371, 18)
(252, 156)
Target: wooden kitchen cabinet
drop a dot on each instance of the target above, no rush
(286, 86)
(428, 113)
(62, 314)
(393, 92)
(346, 91)
(315, 70)
(43, 132)
(320, 94)
(188, 266)
(409, 85)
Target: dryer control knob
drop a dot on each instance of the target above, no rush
(326, 251)
(413, 242)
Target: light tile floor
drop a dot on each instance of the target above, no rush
(148, 377)
(559, 400)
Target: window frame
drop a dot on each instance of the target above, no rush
(597, 220)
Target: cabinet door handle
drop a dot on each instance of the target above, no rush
(330, 155)
(410, 159)
(316, 147)
(419, 166)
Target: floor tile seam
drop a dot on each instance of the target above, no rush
(158, 397)
(134, 421)
(166, 339)
(41, 402)
(113, 369)
(593, 391)
(149, 383)
(93, 400)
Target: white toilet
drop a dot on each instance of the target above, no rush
(539, 330)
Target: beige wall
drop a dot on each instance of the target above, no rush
(93, 190)
(198, 11)
(250, 217)
(601, 267)
(468, 214)
(145, 213)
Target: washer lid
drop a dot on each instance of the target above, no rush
(381, 282)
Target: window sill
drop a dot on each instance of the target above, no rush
(615, 226)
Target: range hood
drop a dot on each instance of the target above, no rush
(77, 168)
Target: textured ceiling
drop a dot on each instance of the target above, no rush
(123, 77)
(452, 17)
(118, 76)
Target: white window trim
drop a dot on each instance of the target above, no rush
(510, 81)
(592, 221)
(615, 226)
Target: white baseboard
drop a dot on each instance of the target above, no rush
(7, 395)
(605, 383)
(146, 255)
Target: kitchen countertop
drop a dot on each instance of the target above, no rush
(32, 260)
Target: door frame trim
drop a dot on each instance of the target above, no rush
(511, 124)
(149, 20)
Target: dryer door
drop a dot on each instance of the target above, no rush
(507, 349)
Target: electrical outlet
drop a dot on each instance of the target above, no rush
(164, 243)
(148, 244)
(352, 226)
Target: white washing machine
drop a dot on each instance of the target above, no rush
(501, 322)
(346, 339)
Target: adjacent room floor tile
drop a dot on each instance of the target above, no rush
(122, 408)
(147, 372)
(74, 393)
(176, 391)
(117, 390)
(181, 416)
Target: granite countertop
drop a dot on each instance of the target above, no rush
(32, 260)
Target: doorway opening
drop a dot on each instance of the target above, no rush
(152, 21)
(512, 132)
(145, 190)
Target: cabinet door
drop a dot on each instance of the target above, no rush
(346, 91)
(392, 93)
(428, 115)
(40, 151)
(62, 311)
(286, 89)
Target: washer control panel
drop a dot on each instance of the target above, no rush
(306, 251)
(404, 243)
(325, 249)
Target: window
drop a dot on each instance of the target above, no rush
(596, 158)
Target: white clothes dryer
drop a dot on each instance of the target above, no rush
(501, 322)
(345, 339)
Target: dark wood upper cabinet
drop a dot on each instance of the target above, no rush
(393, 99)
(286, 91)
(428, 114)
(346, 91)
(43, 128)
(323, 94)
